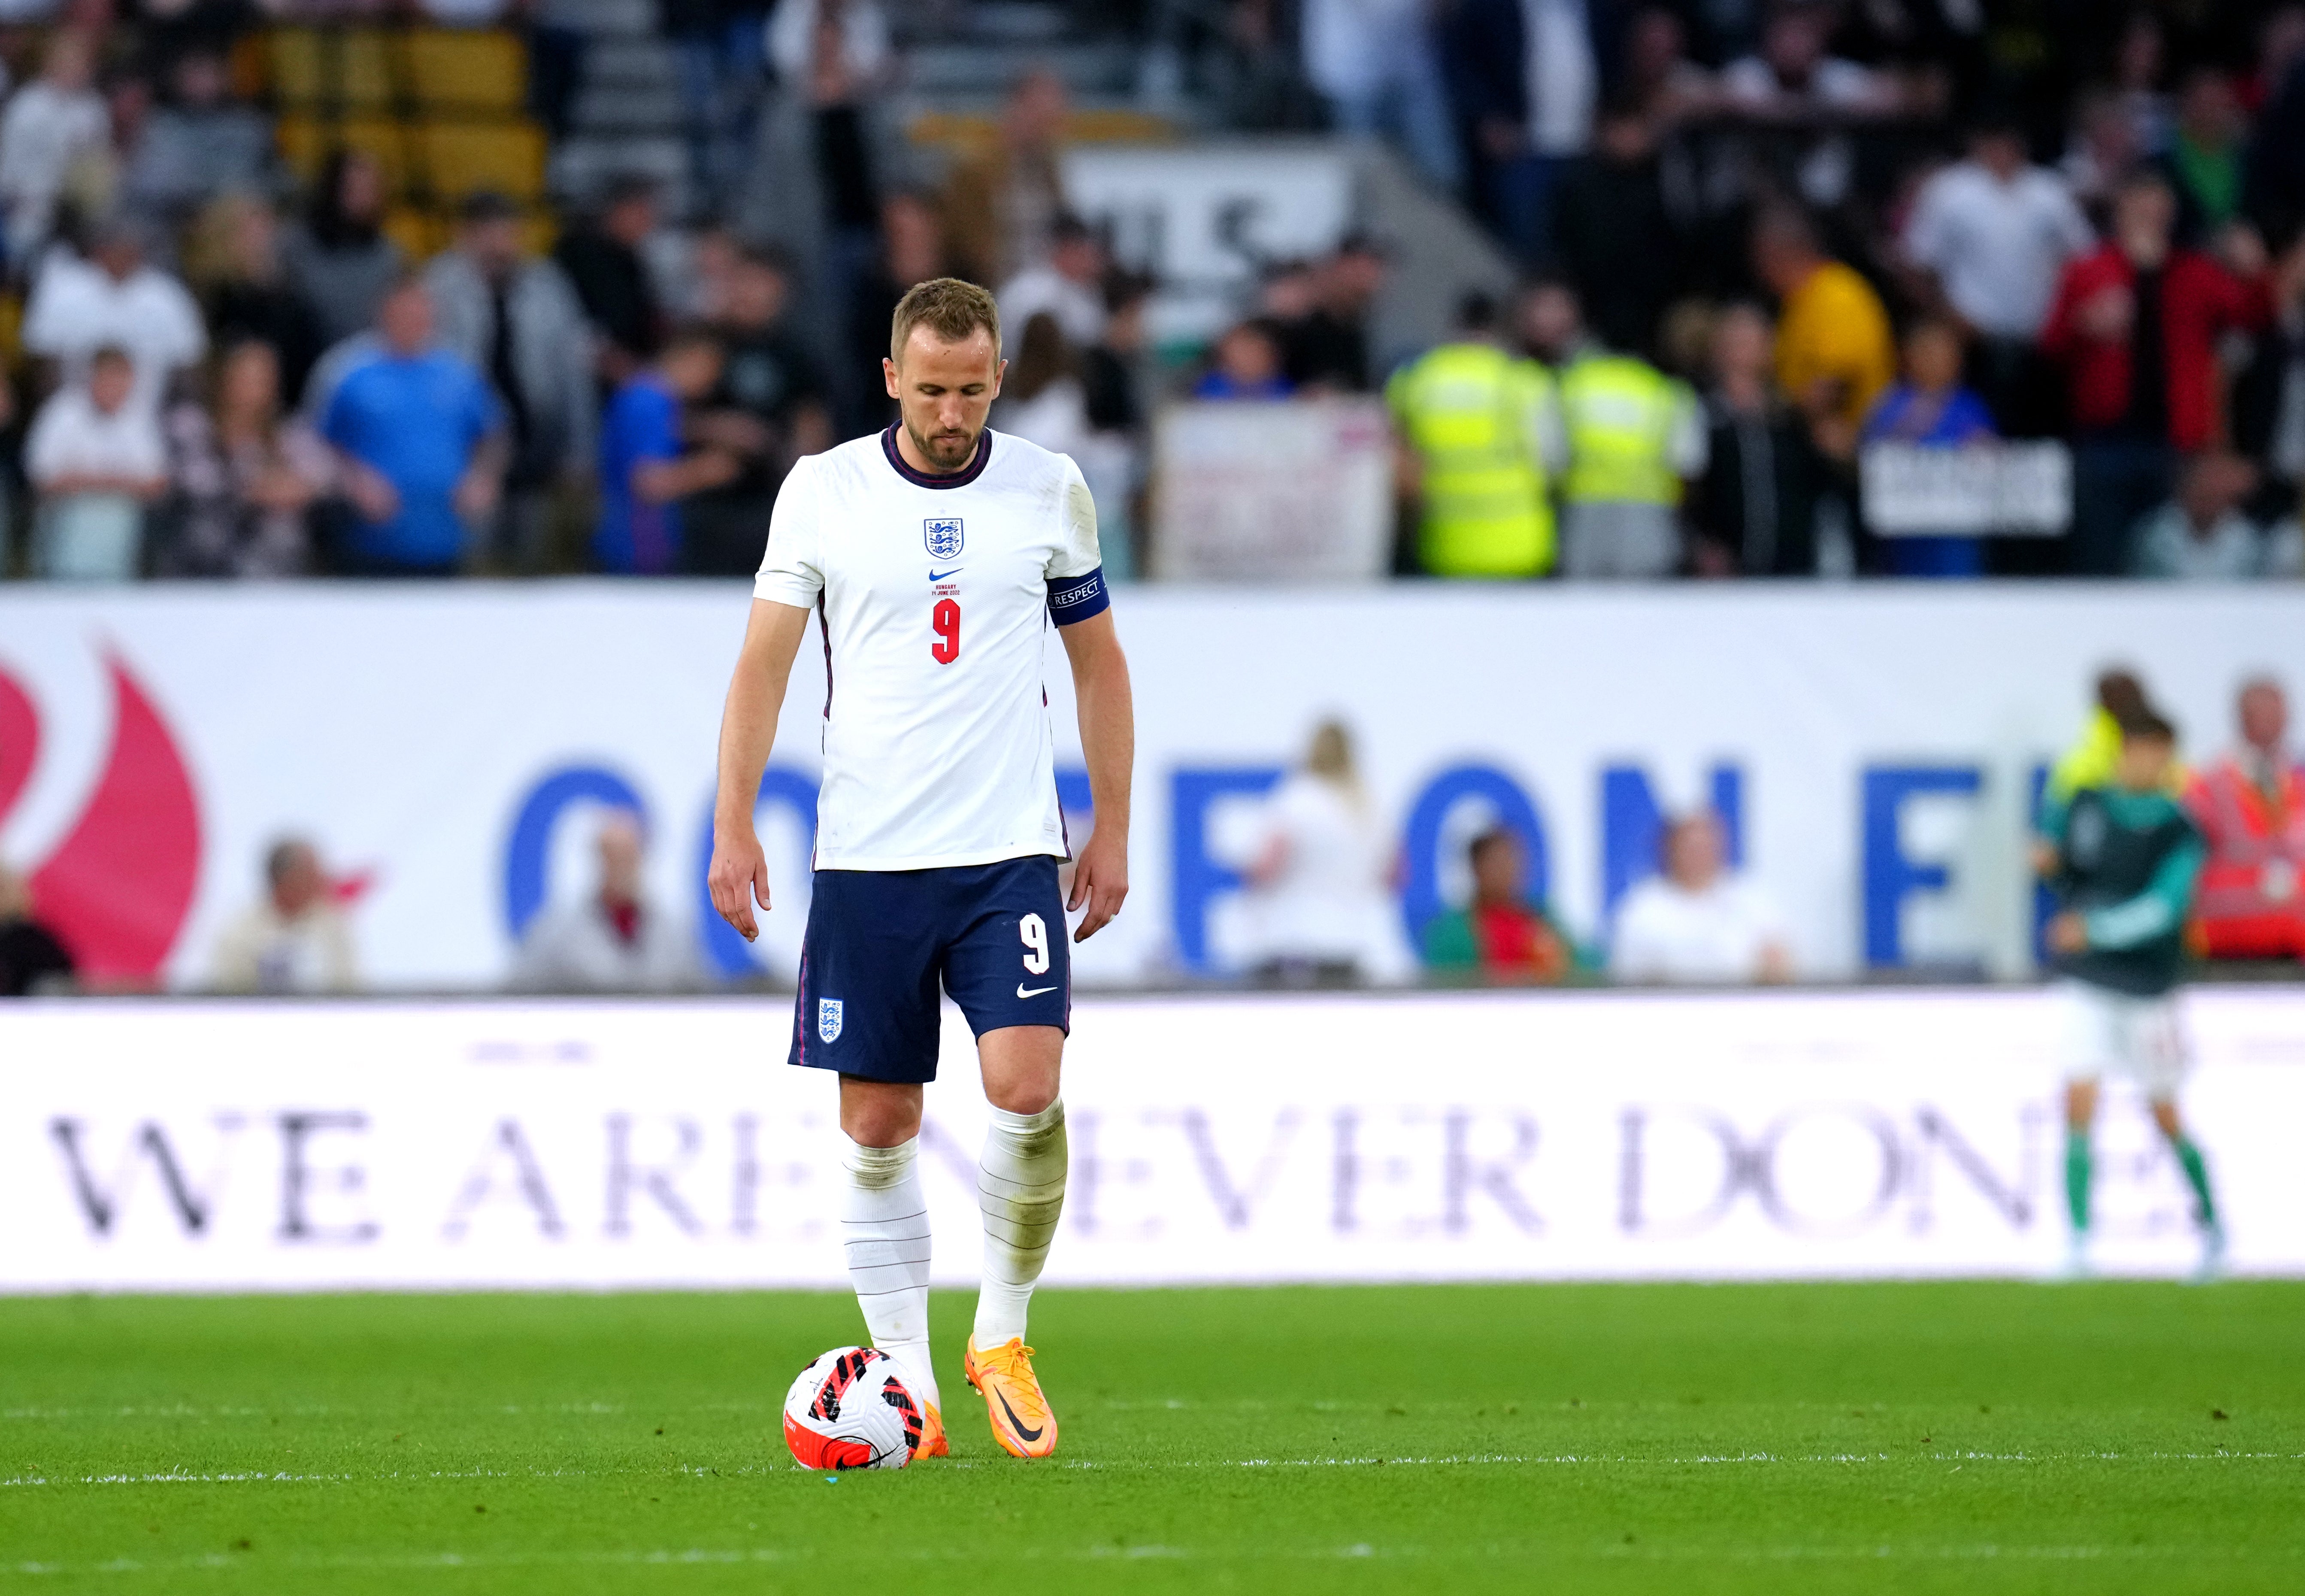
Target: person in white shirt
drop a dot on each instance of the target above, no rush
(1372, 62)
(293, 940)
(1067, 286)
(49, 122)
(937, 555)
(1990, 237)
(114, 297)
(1318, 886)
(613, 940)
(97, 459)
(1041, 400)
(1696, 924)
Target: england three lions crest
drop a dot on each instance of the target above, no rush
(943, 537)
(828, 1020)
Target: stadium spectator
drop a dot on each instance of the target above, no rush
(2268, 399)
(1635, 438)
(2249, 804)
(1525, 76)
(294, 940)
(1318, 895)
(1041, 399)
(1112, 457)
(1990, 236)
(1619, 236)
(49, 122)
(2136, 324)
(1549, 323)
(2203, 161)
(2101, 151)
(1793, 82)
(1002, 202)
(242, 479)
(1246, 362)
(646, 468)
(421, 446)
(512, 316)
(1500, 936)
(601, 255)
(2201, 534)
(1372, 64)
(1695, 922)
(2274, 190)
(1930, 409)
(614, 940)
(827, 142)
(1754, 512)
(232, 262)
(95, 458)
(32, 960)
(770, 406)
(1480, 435)
(1327, 347)
(338, 256)
(1656, 75)
(199, 143)
(1834, 353)
(912, 251)
(113, 299)
(1068, 284)
(2120, 700)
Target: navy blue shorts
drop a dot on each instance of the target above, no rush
(879, 941)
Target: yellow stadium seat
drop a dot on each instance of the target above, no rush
(462, 157)
(452, 69)
(345, 67)
(306, 143)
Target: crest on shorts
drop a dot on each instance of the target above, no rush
(942, 534)
(828, 1019)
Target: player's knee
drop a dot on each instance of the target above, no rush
(1022, 1091)
(879, 1119)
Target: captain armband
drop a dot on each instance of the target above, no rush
(1073, 599)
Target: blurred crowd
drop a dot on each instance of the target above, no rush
(1755, 238)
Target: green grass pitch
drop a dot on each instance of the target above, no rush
(1971, 1438)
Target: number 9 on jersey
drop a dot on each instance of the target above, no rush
(944, 620)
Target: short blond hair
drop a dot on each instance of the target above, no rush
(949, 307)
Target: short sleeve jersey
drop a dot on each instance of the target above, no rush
(935, 594)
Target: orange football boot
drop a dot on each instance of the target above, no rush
(1021, 1420)
(933, 1441)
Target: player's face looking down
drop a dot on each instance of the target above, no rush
(943, 391)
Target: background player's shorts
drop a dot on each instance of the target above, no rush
(2137, 1039)
(879, 941)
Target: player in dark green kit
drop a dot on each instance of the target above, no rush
(2124, 860)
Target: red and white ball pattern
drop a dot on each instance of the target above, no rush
(851, 1409)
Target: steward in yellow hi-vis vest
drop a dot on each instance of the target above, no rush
(1480, 432)
(1635, 434)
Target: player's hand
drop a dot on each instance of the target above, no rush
(738, 875)
(2068, 933)
(1099, 880)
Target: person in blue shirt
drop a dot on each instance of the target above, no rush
(421, 442)
(646, 466)
(1930, 408)
(1246, 362)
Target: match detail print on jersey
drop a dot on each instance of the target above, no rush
(937, 748)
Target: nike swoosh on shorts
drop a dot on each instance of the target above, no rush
(1025, 991)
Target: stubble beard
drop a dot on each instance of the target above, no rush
(946, 453)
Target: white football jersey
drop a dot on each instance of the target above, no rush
(935, 595)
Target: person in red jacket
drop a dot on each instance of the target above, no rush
(2136, 325)
(2250, 807)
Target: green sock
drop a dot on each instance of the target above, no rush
(2197, 1176)
(2077, 1178)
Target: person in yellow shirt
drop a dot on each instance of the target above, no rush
(1834, 351)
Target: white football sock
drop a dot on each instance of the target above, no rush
(1020, 1189)
(884, 1222)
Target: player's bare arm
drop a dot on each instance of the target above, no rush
(739, 874)
(1107, 729)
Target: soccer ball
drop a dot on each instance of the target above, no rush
(851, 1409)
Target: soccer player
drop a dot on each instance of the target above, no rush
(936, 555)
(2124, 861)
